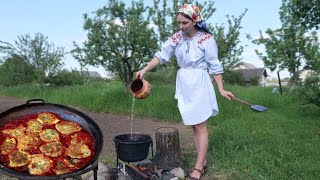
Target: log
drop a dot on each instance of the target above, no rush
(135, 173)
(168, 153)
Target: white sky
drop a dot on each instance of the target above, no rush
(62, 20)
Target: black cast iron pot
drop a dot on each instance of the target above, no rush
(133, 147)
(34, 106)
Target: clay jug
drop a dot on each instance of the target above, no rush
(140, 88)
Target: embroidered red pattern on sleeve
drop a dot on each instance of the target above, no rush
(204, 37)
(176, 38)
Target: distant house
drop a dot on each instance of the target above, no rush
(250, 71)
(93, 74)
(304, 74)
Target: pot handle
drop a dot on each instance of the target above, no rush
(34, 100)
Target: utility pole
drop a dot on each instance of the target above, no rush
(279, 80)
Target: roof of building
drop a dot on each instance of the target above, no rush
(245, 65)
(94, 74)
(248, 74)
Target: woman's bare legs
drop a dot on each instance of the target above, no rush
(200, 134)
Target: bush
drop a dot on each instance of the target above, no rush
(16, 71)
(310, 89)
(254, 81)
(163, 75)
(233, 77)
(66, 78)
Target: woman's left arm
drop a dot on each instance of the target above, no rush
(224, 93)
(215, 67)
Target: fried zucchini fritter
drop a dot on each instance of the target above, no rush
(47, 118)
(39, 164)
(34, 126)
(15, 132)
(52, 149)
(18, 158)
(28, 141)
(78, 151)
(68, 127)
(8, 145)
(49, 135)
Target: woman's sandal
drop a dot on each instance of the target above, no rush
(205, 167)
(194, 178)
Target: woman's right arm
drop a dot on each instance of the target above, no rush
(162, 56)
(152, 64)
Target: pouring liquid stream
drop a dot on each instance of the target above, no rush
(131, 121)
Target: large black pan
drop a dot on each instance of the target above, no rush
(38, 105)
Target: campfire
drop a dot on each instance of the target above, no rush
(166, 164)
(146, 170)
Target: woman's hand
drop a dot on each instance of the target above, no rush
(152, 64)
(226, 94)
(140, 73)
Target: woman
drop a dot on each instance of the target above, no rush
(197, 57)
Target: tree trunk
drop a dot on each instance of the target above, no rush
(168, 153)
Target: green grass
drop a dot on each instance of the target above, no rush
(274, 145)
(281, 143)
(105, 97)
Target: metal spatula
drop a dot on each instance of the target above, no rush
(258, 108)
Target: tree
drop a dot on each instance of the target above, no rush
(119, 40)
(15, 71)
(304, 12)
(228, 41)
(310, 89)
(290, 47)
(36, 51)
(227, 38)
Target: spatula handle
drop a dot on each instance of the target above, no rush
(242, 101)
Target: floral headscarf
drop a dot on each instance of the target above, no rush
(194, 13)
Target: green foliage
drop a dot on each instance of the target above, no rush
(254, 81)
(233, 77)
(304, 12)
(292, 46)
(165, 75)
(228, 42)
(310, 89)
(119, 39)
(65, 78)
(45, 57)
(16, 71)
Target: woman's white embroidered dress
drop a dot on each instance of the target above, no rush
(197, 57)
